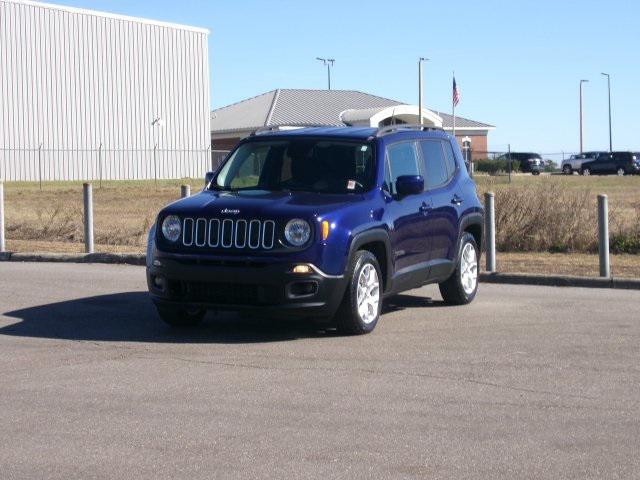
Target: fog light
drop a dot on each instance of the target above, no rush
(158, 282)
(302, 269)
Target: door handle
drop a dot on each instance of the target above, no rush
(425, 208)
(456, 200)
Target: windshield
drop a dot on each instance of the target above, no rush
(308, 165)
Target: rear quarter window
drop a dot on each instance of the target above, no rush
(435, 166)
(450, 159)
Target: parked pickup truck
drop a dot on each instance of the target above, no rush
(574, 162)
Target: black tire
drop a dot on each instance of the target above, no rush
(567, 170)
(180, 316)
(348, 319)
(535, 172)
(452, 289)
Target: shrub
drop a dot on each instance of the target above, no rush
(493, 167)
(550, 166)
(625, 243)
(625, 236)
(552, 218)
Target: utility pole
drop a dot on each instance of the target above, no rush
(609, 90)
(328, 62)
(581, 117)
(420, 60)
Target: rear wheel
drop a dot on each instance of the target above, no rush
(461, 287)
(586, 172)
(360, 308)
(181, 316)
(621, 172)
(567, 170)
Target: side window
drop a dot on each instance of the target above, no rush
(434, 162)
(401, 160)
(450, 159)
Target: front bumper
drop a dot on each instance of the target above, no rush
(246, 284)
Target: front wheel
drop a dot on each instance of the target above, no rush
(461, 287)
(181, 316)
(621, 172)
(360, 308)
(567, 170)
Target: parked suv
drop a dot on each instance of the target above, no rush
(574, 162)
(620, 163)
(320, 223)
(529, 162)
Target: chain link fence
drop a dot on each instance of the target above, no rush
(497, 161)
(46, 164)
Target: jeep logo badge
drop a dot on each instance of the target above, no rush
(230, 211)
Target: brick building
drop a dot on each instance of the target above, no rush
(296, 108)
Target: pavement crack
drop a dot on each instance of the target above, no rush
(377, 372)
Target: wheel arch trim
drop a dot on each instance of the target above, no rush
(375, 235)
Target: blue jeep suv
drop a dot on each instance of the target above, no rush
(320, 223)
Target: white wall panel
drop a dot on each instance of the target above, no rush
(73, 80)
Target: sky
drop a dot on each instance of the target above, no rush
(517, 63)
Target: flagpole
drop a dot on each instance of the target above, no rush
(453, 110)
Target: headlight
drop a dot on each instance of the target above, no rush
(171, 228)
(297, 232)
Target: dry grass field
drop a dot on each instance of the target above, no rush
(123, 212)
(545, 224)
(557, 213)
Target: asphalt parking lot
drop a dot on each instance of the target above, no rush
(527, 382)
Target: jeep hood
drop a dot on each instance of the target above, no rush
(261, 204)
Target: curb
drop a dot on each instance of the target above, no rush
(112, 258)
(485, 277)
(560, 280)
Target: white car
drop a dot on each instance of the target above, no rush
(574, 162)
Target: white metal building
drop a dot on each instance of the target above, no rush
(86, 94)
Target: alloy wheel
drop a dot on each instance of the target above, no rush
(469, 268)
(368, 293)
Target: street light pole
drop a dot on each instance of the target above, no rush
(581, 117)
(420, 60)
(609, 90)
(328, 62)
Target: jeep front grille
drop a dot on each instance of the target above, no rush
(228, 233)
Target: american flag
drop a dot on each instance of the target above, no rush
(456, 94)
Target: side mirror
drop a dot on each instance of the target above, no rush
(409, 185)
(208, 178)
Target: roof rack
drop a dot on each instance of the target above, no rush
(261, 130)
(405, 126)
